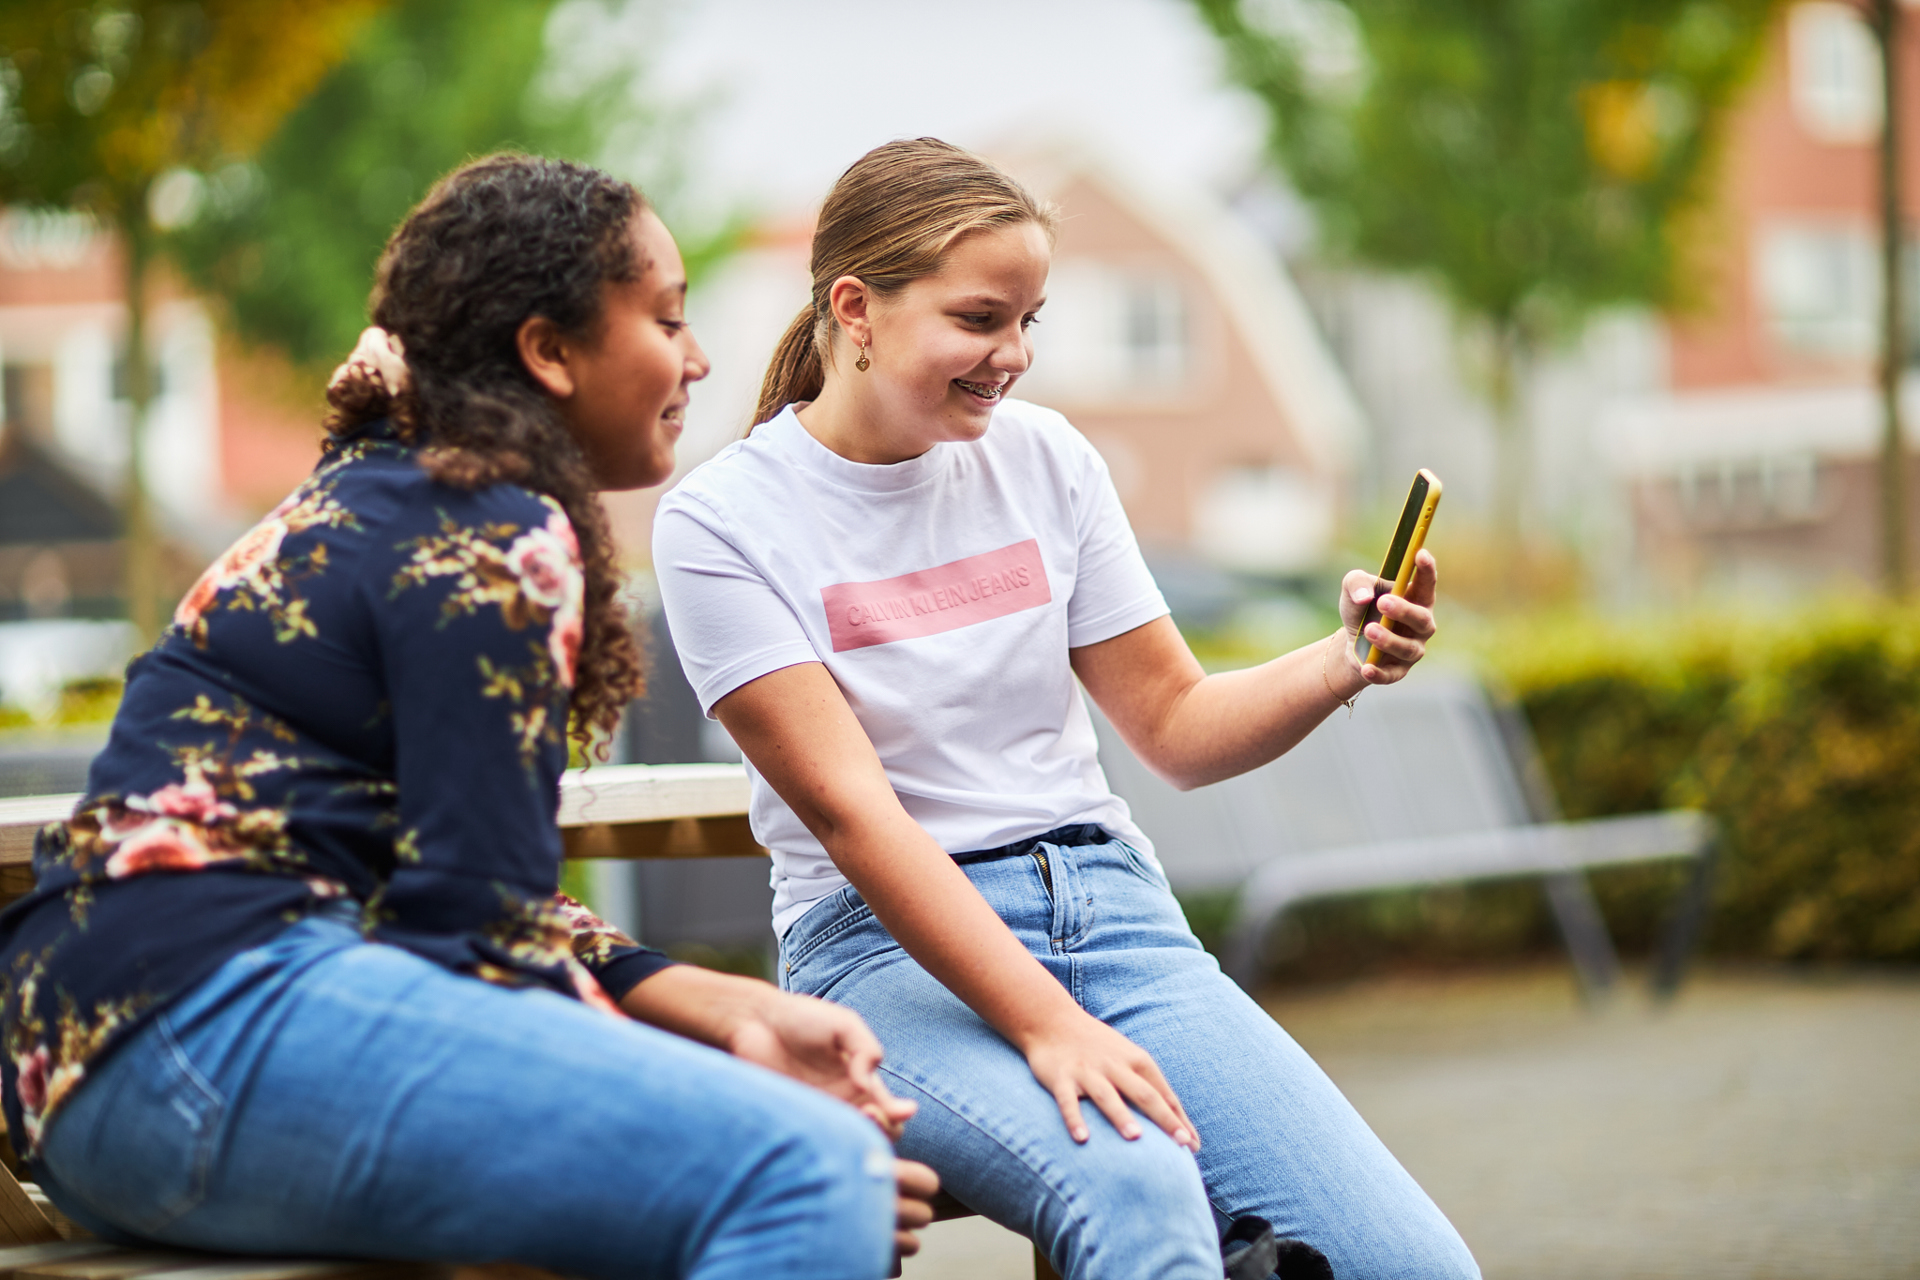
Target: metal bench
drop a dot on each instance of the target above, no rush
(610, 811)
(1427, 783)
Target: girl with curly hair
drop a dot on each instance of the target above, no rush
(296, 977)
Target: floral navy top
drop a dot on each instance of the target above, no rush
(364, 698)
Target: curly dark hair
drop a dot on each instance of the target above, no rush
(499, 240)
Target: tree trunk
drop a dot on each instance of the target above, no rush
(1512, 457)
(1893, 450)
(141, 570)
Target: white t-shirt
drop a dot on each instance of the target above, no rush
(942, 593)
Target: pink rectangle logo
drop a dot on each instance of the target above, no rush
(992, 584)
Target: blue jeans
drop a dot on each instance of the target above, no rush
(1277, 1138)
(324, 1095)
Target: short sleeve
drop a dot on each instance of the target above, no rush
(1113, 590)
(728, 623)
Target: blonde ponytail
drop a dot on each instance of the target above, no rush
(889, 221)
(795, 373)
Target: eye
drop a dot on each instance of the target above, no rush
(1027, 322)
(673, 326)
(980, 319)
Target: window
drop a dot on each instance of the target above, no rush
(1834, 69)
(1155, 332)
(1110, 333)
(1820, 287)
(1265, 520)
(1751, 493)
(32, 239)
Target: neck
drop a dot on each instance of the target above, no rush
(851, 425)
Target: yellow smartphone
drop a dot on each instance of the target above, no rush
(1408, 537)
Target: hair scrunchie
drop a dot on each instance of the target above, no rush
(378, 354)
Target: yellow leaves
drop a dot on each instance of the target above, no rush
(500, 682)
(204, 712)
(292, 622)
(157, 84)
(530, 722)
(1622, 127)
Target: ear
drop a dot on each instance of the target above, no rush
(851, 302)
(543, 350)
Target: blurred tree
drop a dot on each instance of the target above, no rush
(1884, 17)
(1537, 160)
(288, 240)
(102, 104)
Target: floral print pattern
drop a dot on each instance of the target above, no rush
(254, 574)
(536, 580)
(363, 698)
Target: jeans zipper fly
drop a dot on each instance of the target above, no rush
(1046, 872)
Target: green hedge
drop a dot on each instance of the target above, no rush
(1801, 735)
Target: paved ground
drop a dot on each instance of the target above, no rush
(1765, 1127)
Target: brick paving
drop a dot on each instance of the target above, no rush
(1766, 1126)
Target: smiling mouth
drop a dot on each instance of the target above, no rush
(985, 390)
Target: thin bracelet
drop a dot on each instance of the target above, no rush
(1345, 702)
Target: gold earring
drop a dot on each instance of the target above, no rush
(862, 363)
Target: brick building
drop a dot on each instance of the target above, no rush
(1755, 469)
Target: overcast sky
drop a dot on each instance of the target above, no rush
(789, 92)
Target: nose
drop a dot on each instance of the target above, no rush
(1014, 355)
(697, 365)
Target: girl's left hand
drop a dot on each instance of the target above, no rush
(826, 1046)
(1412, 616)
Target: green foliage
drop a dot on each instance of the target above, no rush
(84, 702)
(1532, 157)
(97, 100)
(1800, 736)
(289, 241)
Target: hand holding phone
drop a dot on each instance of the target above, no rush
(1408, 537)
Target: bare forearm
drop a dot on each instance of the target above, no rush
(933, 911)
(1233, 721)
(698, 1003)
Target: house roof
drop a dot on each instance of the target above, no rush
(41, 501)
(1253, 287)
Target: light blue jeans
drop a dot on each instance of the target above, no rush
(1277, 1138)
(324, 1095)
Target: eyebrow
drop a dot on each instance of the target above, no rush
(990, 300)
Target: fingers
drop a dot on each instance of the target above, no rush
(1117, 1097)
(880, 1106)
(1153, 1104)
(1158, 1102)
(1357, 591)
(1426, 578)
(1413, 625)
(1067, 1097)
(918, 1183)
(916, 1180)
(1114, 1107)
(889, 1112)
